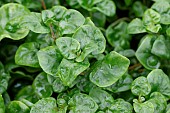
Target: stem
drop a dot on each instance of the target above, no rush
(43, 4)
(119, 20)
(134, 66)
(52, 32)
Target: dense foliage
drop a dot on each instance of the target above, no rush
(84, 56)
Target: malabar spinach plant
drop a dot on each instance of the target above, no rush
(84, 56)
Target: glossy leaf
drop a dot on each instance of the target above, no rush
(91, 40)
(161, 6)
(32, 22)
(102, 98)
(143, 53)
(26, 54)
(120, 106)
(159, 102)
(45, 105)
(2, 106)
(70, 21)
(17, 107)
(68, 47)
(56, 83)
(146, 107)
(4, 79)
(41, 86)
(8, 13)
(159, 82)
(123, 84)
(138, 8)
(106, 7)
(140, 86)
(49, 59)
(136, 26)
(109, 70)
(118, 36)
(160, 48)
(68, 70)
(151, 20)
(82, 103)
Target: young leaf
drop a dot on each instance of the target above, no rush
(17, 107)
(136, 26)
(8, 12)
(68, 70)
(151, 20)
(49, 59)
(159, 82)
(26, 54)
(102, 98)
(82, 103)
(68, 47)
(146, 107)
(45, 105)
(41, 86)
(90, 37)
(109, 70)
(140, 86)
(2, 106)
(120, 106)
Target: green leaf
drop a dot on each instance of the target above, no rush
(160, 48)
(8, 13)
(140, 86)
(123, 84)
(99, 19)
(57, 84)
(106, 7)
(146, 107)
(17, 107)
(68, 47)
(101, 97)
(2, 106)
(109, 70)
(70, 21)
(138, 8)
(161, 6)
(27, 93)
(159, 82)
(68, 70)
(91, 40)
(120, 106)
(49, 59)
(4, 79)
(136, 26)
(45, 105)
(165, 18)
(144, 55)
(151, 20)
(26, 54)
(159, 102)
(86, 4)
(41, 86)
(73, 3)
(82, 103)
(118, 36)
(32, 22)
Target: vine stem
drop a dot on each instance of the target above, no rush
(51, 27)
(43, 4)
